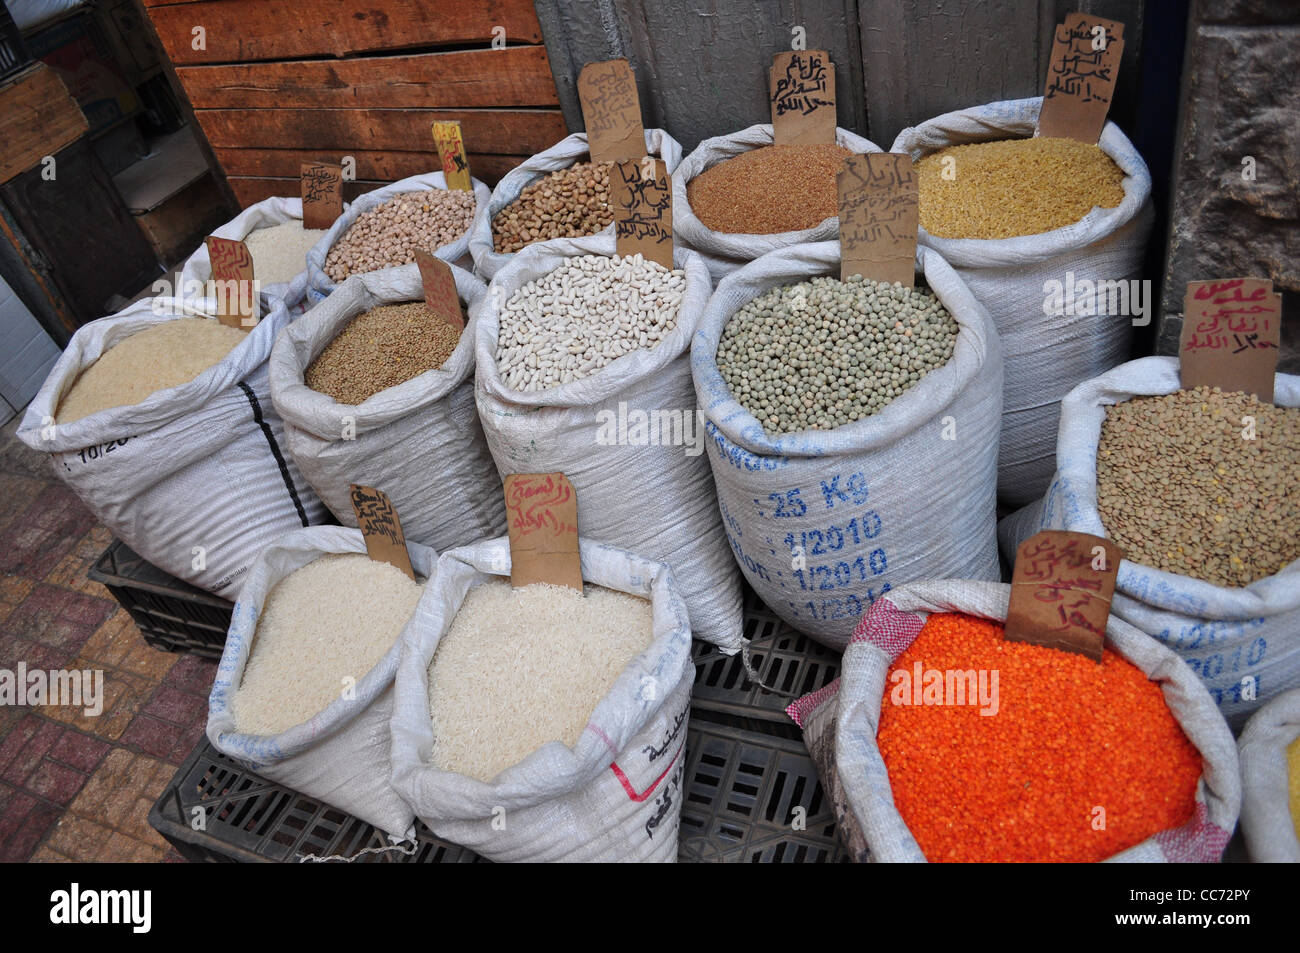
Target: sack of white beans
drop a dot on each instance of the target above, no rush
(855, 775)
(565, 153)
(1266, 799)
(419, 441)
(1045, 353)
(456, 251)
(194, 478)
(619, 420)
(616, 794)
(822, 522)
(339, 754)
(724, 252)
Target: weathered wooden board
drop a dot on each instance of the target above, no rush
(249, 190)
(376, 166)
(37, 119)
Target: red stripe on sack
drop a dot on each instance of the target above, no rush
(631, 791)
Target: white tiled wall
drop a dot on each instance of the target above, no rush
(26, 354)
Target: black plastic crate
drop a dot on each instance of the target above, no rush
(13, 52)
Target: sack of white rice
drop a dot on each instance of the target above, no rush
(1270, 781)
(303, 694)
(419, 439)
(542, 725)
(160, 419)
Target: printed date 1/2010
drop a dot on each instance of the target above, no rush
(843, 573)
(816, 542)
(830, 610)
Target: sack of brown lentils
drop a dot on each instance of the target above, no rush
(1270, 781)
(854, 772)
(614, 793)
(591, 183)
(195, 477)
(733, 237)
(1242, 638)
(1045, 353)
(390, 233)
(896, 480)
(597, 384)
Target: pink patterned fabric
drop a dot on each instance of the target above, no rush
(888, 628)
(1196, 842)
(801, 708)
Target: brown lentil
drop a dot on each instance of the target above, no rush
(382, 348)
(1180, 488)
(1014, 187)
(568, 203)
(389, 234)
(771, 189)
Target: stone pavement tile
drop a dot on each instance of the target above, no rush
(118, 644)
(119, 849)
(19, 493)
(71, 570)
(34, 655)
(192, 674)
(18, 458)
(58, 617)
(13, 590)
(78, 838)
(21, 843)
(123, 694)
(187, 741)
(180, 708)
(120, 793)
(55, 782)
(25, 746)
(151, 735)
(37, 539)
(78, 750)
(46, 856)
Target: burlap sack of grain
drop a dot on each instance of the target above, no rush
(1266, 821)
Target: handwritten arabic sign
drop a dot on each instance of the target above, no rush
(385, 542)
(440, 294)
(322, 194)
(642, 195)
(1081, 77)
(451, 150)
(233, 282)
(542, 517)
(1061, 591)
(611, 110)
(878, 217)
(1231, 334)
(801, 84)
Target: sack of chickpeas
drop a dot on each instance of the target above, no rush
(1013, 214)
(942, 742)
(374, 389)
(1203, 503)
(738, 197)
(852, 431)
(382, 229)
(583, 366)
(1270, 781)
(558, 193)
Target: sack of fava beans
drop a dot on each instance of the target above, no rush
(160, 419)
(1163, 472)
(852, 431)
(558, 193)
(542, 724)
(1270, 781)
(376, 390)
(598, 387)
(936, 717)
(1049, 235)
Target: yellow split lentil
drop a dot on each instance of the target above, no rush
(1293, 770)
(1014, 187)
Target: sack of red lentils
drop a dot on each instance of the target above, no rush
(1270, 781)
(563, 155)
(619, 419)
(1243, 640)
(725, 251)
(825, 521)
(1160, 784)
(1091, 268)
(385, 241)
(614, 794)
(195, 478)
(419, 441)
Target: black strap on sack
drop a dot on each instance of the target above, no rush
(275, 451)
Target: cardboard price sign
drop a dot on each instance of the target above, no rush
(611, 110)
(385, 542)
(642, 195)
(879, 217)
(1081, 77)
(1231, 334)
(1061, 591)
(232, 276)
(322, 194)
(801, 85)
(542, 516)
(451, 150)
(440, 294)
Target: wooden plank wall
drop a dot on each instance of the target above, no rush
(277, 84)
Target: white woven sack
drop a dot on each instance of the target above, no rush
(656, 501)
(1239, 640)
(866, 812)
(872, 504)
(420, 441)
(320, 284)
(617, 794)
(1045, 355)
(197, 270)
(341, 754)
(193, 478)
(1266, 820)
(565, 153)
(724, 252)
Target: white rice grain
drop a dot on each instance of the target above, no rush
(280, 252)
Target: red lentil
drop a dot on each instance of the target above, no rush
(770, 189)
(1021, 785)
